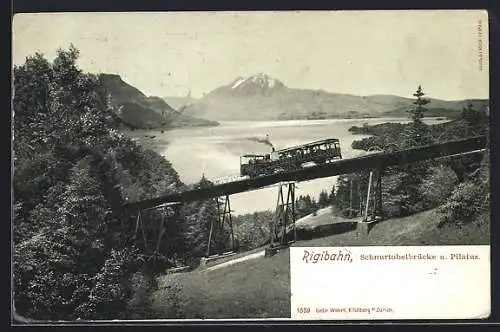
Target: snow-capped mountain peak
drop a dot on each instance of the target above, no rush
(263, 80)
(237, 82)
(260, 82)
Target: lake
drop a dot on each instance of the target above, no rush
(215, 151)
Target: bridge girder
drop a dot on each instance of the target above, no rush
(344, 166)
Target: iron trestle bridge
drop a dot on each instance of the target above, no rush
(344, 166)
(375, 163)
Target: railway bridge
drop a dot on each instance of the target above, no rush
(284, 220)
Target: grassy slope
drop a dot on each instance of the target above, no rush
(254, 288)
(260, 288)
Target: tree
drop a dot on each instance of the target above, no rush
(72, 173)
(331, 196)
(109, 293)
(437, 185)
(253, 230)
(475, 121)
(305, 205)
(418, 112)
(469, 114)
(416, 133)
(323, 200)
(470, 201)
(202, 215)
(343, 194)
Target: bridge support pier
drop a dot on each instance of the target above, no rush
(217, 228)
(378, 194)
(283, 229)
(140, 224)
(150, 234)
(365, 225)
(367, 205)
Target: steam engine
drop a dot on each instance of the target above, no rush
(290, 159)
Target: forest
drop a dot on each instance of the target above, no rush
(76, 253)
(458, 185)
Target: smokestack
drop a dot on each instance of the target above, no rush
(268, 141)
(263, 140)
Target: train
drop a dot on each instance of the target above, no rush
(290, 159)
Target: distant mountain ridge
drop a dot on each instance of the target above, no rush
(138, 111)
(260, 84)
(261, 97)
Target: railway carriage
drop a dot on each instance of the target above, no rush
(290, 159)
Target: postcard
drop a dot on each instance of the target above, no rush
(230, 166)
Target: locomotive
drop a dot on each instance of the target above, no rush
(290, 159)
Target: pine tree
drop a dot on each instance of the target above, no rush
(418, 112)
(342, 197)
(331, 196)
(416, 133)
(323, 200)
(476, 121)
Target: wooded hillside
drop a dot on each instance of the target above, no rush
(76, 254)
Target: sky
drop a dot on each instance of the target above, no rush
(355, 52)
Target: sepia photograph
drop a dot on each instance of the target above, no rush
(165, 164)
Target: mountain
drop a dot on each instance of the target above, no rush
(258, 85)
(138, 111)
(262, 97)
(179, 102)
